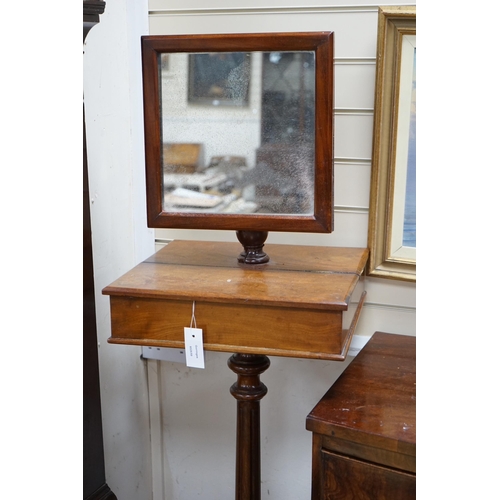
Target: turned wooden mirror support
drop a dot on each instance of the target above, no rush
(248, 391)
(253, 242)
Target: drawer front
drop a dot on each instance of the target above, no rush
(344, 478)
(279, 331)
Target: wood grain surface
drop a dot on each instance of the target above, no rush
(374, 400)
(364, 428)
(290, 306)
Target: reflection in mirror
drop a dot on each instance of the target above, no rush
(238, 132)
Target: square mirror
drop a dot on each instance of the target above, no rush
(239, 131)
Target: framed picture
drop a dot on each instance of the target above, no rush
(392, 224)
(165, 63)
(219, 78)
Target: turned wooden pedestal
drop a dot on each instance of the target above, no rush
(304, 302)
(248, 391)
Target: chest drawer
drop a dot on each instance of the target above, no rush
(349, 478)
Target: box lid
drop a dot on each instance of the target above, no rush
(306, 276)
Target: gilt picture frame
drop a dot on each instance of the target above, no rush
(392, 219)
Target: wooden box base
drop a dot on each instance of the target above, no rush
(291, 306)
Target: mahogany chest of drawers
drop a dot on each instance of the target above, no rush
(364, 428)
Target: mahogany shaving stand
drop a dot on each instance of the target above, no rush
(304, 302)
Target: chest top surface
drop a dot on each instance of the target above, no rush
(309, 276)
(374, 400)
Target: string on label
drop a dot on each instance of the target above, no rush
(193, 317)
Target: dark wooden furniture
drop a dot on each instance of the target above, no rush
(94, 478)
(184, 158)
(364, 428)
(295, 305)
(269, 187)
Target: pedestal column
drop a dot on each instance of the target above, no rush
(248, 391)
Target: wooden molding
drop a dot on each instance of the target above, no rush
(93, 7)
(103, 493)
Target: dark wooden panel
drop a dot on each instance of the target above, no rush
(93, 451)
(94, 478)
(103, 493)
(349, 479)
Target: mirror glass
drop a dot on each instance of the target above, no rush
(238, 132)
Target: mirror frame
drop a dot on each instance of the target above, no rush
(321, 43)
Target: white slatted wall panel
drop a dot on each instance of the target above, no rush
(197, 412)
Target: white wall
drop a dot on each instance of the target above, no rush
(192, 412)
(212, 126)
(120, 238)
